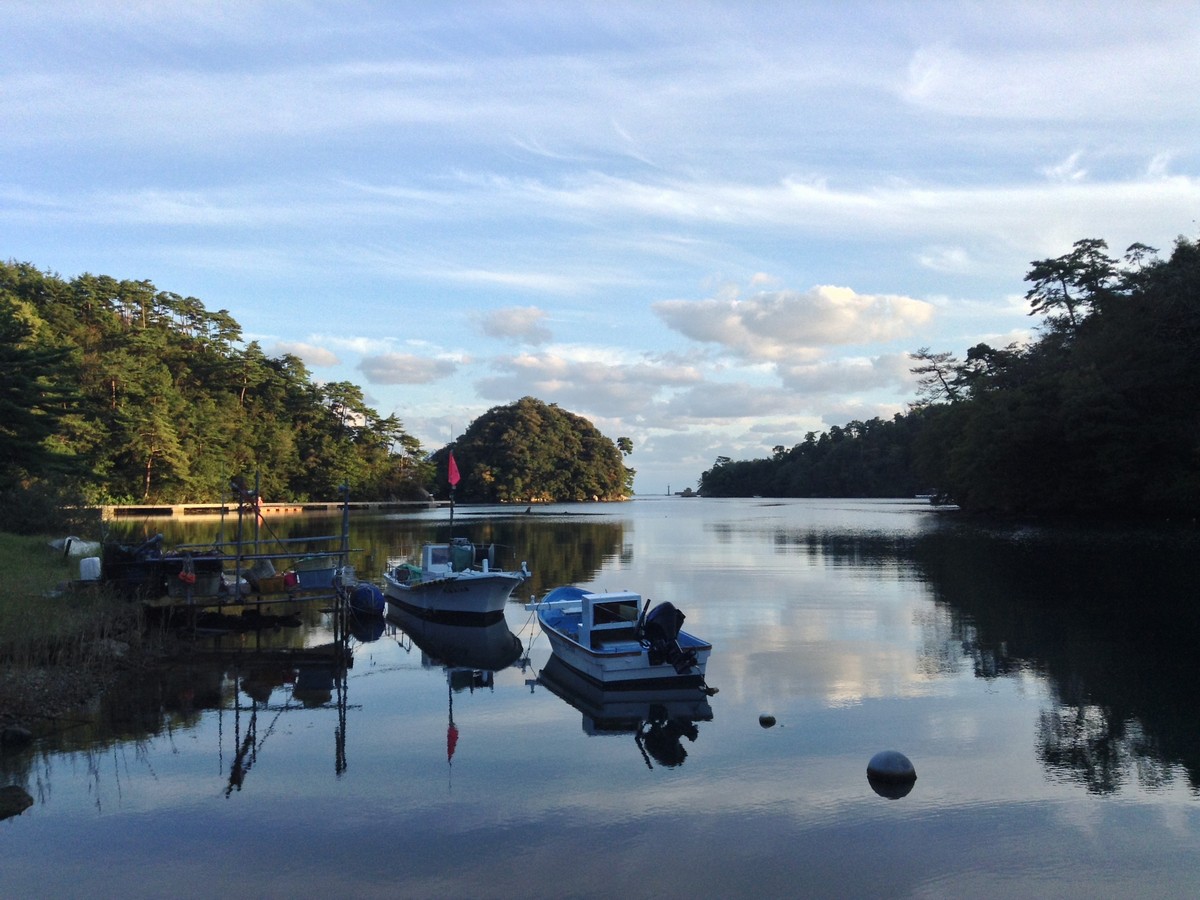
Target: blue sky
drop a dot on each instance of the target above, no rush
(709, 227)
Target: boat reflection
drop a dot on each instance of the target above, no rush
(658, 718)
(470, 654)
(459, 648)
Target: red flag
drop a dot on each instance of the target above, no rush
(451, 741)
(452, 475)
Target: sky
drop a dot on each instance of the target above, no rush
(709, 227)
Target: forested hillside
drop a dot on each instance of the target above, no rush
(861, 459)
(1099, 416)
(130, 393)
(534, 451)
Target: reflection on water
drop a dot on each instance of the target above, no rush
(658, 718)
(1042, 681)
(488, 647)
(470, 655)
(1108, 618)
(559, 550)
(251, 687)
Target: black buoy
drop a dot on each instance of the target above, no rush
(766, 721)
(890, 774)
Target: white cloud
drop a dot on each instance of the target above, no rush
(405, 368)
(849, 376)
(1064, 71)
(793, 325)
(952, 260)
(593, 386)
(524, 323)
(1067, 171)
(738, 401)
(312, 355)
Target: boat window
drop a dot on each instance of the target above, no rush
(613, 612)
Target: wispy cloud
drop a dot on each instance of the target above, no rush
(405, 368)
(614, 206)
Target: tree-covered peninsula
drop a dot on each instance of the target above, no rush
(1099, 416)
(132, 394)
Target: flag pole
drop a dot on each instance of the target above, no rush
(452, 476)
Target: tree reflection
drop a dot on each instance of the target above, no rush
(561, 547)
(1105, 617)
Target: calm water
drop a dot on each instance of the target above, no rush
(1043, 683)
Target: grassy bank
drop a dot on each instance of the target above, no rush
(53, 641)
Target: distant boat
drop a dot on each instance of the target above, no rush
(611, 640)
(449, 583)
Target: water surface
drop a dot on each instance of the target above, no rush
(1042, 682)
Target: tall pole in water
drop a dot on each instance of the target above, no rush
(344, 490)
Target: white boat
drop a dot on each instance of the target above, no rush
(449, 583)
(611, 640)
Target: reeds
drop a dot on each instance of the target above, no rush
(44, 621)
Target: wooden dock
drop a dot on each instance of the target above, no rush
(268, 510)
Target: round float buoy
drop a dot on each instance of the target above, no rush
(766, 721)
(367, 598)
(890, 774)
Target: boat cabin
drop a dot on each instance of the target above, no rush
(446, 559)
(609, 618)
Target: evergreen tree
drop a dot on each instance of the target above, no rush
(35, 394)
(170, 405)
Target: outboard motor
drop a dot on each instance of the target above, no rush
(660, 633)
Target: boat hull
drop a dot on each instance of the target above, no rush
(609, 710)
(625, 665)
(463, 595)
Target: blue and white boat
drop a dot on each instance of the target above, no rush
(610, 639)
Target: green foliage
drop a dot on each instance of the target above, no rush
(166, 403)
(530, 451)
(36, 393)
(863, 459)
(1098, 417)
(41, 508)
